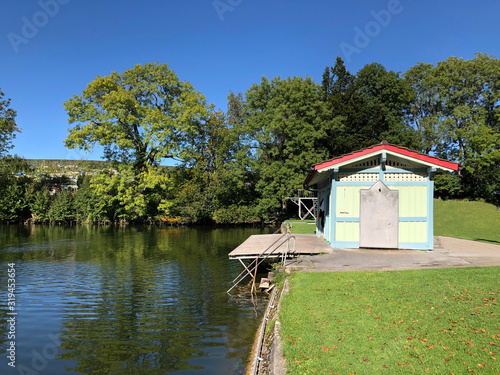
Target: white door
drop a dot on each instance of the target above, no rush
(379, 217)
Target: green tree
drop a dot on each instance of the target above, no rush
(469, 94)
(212, 178)
(237, 174)
(87, 206)
(62, 209)
(364, 109)
(118, 195)
(386, 98)
(341, 110)
(457, 113)
(140, 116)
(39, 202)
(425, 110)
(156, 186)
(8, 126)
(235, 110)
(282, 129)
(14, 183)
(189, 204)
(122, 195)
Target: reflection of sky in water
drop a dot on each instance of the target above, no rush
(126, 301)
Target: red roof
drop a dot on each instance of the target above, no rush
(381, 146)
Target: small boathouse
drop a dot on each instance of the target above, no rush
(378, 197)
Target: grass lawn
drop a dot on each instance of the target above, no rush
(470, 220)
(441, 321)
(302, 226)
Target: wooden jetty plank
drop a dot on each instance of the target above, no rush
(311, 244)
(264, 283)
(305, 244)
(255, 244)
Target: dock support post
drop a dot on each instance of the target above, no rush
(245, 267)
(255, 274)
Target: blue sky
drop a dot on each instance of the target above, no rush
(51, 49)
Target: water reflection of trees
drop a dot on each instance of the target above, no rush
(145, 299)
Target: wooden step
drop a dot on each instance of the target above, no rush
(265, 283)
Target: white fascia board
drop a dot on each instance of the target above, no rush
(351, 161)
(378, 152)
(417, 161)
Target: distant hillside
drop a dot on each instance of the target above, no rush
(65, 166)
(59, 165)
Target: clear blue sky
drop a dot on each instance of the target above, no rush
(51, 49)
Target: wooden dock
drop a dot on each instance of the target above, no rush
(263, 246)
(305, 244)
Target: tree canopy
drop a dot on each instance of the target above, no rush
(240, 166)
(8, 126)
(140, 116)
(456, 112)
(365, 108)
(281, 130)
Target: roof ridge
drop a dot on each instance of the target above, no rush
(384, 145)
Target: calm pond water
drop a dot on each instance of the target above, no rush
(130, 300)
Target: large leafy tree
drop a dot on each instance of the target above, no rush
(425, 109)
(386, 97)
(213, 178)
(282, 129)
(121, 195)
(340, 120)
(14, 205)
(364, 109)
(140, 116)
(457, 113)
(8, 126)
(469, 98)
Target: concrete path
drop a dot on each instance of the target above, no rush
(448, 252)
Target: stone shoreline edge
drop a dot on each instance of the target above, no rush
(271, 352)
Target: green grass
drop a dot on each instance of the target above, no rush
(302, 226)
(439, 321)
(476, 221)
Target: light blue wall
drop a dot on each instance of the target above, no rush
(328, 189)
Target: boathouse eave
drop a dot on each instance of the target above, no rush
(321, 171)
